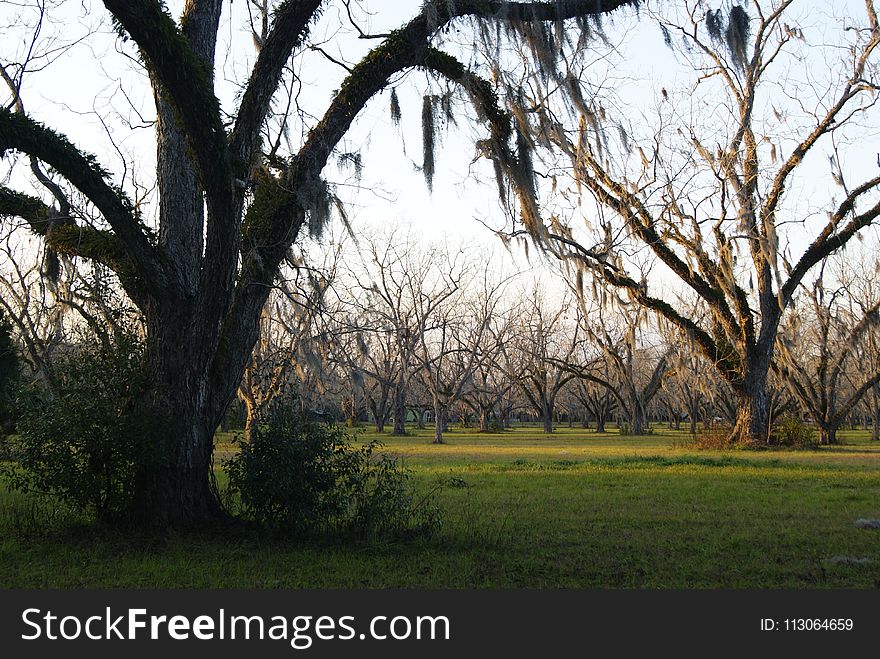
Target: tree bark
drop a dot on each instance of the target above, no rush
(638, 423)
(399, 429)
(875, 415)
(439, 421)
(753, 413)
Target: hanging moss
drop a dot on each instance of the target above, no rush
(714, 24)
(353, 160)
(737, 35)
(667, 37)
(428, 134)
(732, 37)
(396, 114)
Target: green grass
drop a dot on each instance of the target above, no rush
(572, 510)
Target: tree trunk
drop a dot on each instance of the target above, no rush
(439, 421)
(173, 485)
(250, 418)
(827, 434)
(399, 408)
(875, 415)
(484, 420)
(638, 422)
(547, 418)
(753, 413)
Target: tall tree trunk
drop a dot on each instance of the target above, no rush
(753, 412)
(484, 419)
(638, 423)
(875, 414)
(439, 420)
(174, 485)
(547, 417)
(399, 408)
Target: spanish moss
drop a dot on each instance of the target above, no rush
(396, 114)
(428, 145)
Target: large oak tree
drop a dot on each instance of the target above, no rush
(227, 216)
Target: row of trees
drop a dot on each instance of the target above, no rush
(414, 329)
(410, 331)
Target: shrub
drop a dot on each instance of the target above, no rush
(792, 432)
(496, 426)
(81, 440)
(305, 477)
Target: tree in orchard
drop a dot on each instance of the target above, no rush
(229, 205)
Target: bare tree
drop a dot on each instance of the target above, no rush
(494, 376)
(636, 370)
(547, 343)
(817, 349)
(706, 194)
(289, 348)
(598, 400)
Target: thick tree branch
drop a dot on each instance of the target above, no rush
(188, 82)
(63, 235)
(828, 241)
(291, 23)
(22, 133)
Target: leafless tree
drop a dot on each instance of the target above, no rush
(547, 342)
(818, 349)
(706, 193)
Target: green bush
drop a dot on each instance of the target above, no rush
(305, 477)
(496, 426)
(81, 441)
(792, 432)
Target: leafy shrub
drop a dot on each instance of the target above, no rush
(302, 476)
(792, 432)
(81, 440)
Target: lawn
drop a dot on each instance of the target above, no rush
(522, 509)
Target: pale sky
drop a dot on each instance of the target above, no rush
(92, 82)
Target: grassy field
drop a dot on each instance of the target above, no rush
(572, 510)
